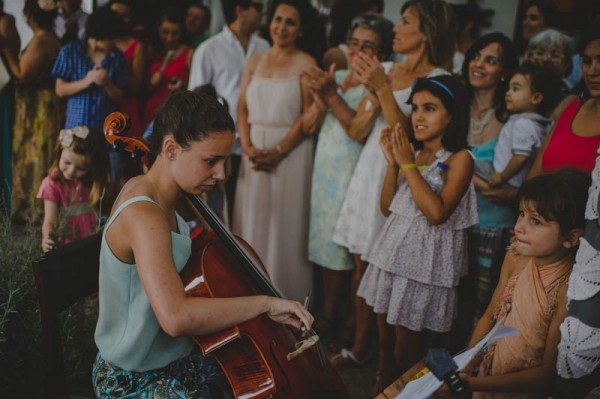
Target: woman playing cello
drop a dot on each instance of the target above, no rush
(146, 320)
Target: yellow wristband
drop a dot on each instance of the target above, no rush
(408, 166)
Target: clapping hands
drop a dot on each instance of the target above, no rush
(321, 83)
(396, 147)
(369, 71)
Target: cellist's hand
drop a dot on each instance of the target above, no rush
(289, 312)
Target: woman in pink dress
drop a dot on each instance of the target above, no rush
(170, 67)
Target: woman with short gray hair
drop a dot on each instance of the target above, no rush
(553, 48)
(338, 96)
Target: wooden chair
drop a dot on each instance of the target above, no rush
(63, 276)
(397, 386)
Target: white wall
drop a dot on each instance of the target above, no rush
(15, 8)
(503, 20)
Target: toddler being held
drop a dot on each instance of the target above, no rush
(532, 94)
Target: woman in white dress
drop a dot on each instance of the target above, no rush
(425, 36)
(273, 189)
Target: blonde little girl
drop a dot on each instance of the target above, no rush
(74, 186)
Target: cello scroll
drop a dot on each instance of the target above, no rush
(115, 125)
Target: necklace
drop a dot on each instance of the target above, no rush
(477, 125)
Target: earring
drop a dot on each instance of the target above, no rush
(172, 157)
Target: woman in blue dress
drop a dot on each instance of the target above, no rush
(487, 68)
(337, 98)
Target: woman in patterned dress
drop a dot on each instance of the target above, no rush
(38, 114)
(335, 158)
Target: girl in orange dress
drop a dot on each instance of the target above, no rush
(531, 293)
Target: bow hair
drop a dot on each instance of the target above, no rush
(65, 137)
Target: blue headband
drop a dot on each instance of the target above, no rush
(443, 86)
(440, 84)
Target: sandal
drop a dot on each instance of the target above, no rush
(347, 358)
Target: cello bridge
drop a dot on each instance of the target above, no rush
(302, 346)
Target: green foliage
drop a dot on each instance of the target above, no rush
(21, 354)
(20, 350)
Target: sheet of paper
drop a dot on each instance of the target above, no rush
(425, 386)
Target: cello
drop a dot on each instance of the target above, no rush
(259, 357)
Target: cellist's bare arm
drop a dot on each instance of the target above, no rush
(149, 240)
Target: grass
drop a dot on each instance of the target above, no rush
(21, 357)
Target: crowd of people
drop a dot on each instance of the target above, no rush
(415, 179)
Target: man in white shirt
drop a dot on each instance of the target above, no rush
(220, 61)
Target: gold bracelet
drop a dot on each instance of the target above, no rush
(408, 166)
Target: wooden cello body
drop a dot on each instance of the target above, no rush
(260, 358)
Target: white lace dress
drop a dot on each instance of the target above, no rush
(360, 218)
(579, 348)
(414, 266)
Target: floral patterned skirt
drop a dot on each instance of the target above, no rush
(408, 303)
(38, 118)
(186, 378)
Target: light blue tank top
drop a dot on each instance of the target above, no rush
(490, 213)
(128, 334)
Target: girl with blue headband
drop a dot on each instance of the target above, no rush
(429, 200)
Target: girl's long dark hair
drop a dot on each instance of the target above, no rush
(453, 96)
